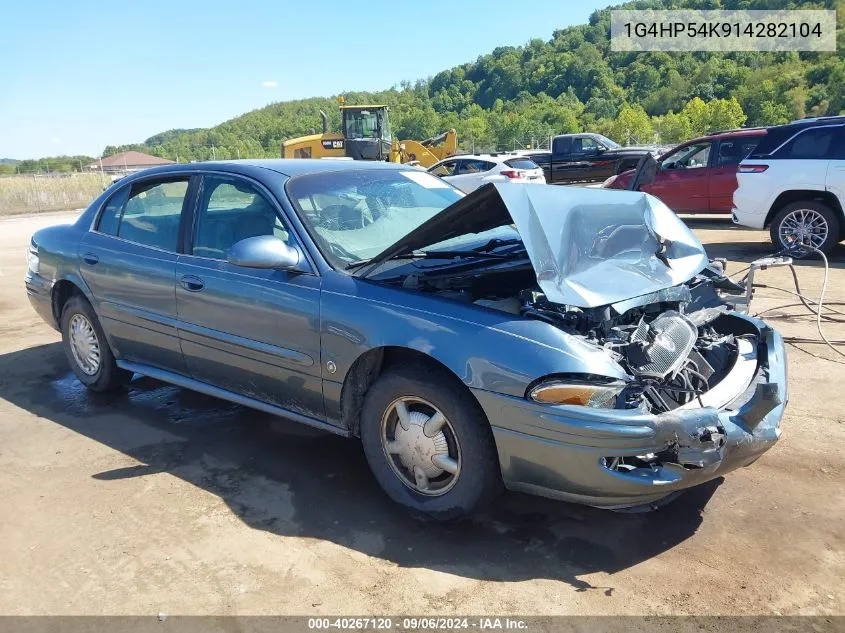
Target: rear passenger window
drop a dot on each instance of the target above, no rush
(474, 166)
(147, 213)
(232, 210)
(814, 143)
(110, 216)
(562, 145)
(152, 212)
(733, 151)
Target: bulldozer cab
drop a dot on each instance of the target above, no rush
(366, 132)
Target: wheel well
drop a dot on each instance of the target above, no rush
(369, 366)
(62, 291)
(788, 197)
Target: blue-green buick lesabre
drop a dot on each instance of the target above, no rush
(568, 342)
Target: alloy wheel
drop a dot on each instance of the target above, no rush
(803, 224)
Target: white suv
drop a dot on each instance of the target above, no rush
(794, 183)
(468, 172)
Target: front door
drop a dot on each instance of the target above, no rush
(587, 163)
(129, 263)
(682, 179)
(251, 331)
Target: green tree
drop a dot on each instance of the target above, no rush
(698, 114)
(631, 126)
(725, 114)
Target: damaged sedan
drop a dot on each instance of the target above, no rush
(571, 343)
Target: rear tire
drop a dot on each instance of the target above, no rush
(407, 462)
(805, 218)
(87, 349)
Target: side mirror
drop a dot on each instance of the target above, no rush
(263, 251)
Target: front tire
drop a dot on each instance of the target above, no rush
(87, 349)
(428, 443)
(806, 219)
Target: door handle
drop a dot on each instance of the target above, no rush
(90, 258)
(191, 283)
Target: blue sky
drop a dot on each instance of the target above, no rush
(78, 76)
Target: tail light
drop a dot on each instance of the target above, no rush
(513, 174)
(752, 169)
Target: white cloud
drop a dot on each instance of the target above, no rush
(55, 140)
(269, 84)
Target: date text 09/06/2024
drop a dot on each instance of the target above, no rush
(417, 623)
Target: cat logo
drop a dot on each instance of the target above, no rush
(332, 144)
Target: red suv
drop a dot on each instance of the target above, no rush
(698, 176)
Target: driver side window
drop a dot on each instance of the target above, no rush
(689, 157)
(231, 210)
(585, 145)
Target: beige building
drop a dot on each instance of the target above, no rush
(128, 162)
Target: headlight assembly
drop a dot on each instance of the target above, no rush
(587, 394)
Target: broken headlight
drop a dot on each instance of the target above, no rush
(599, 395)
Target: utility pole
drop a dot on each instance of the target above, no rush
(213, 153)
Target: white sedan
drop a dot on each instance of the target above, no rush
(468, 172)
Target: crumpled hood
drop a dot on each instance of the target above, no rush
(589, 247)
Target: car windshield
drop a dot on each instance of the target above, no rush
(355, 214)
(607, 142)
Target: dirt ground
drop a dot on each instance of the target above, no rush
(161, 500)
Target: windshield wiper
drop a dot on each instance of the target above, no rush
(480, 252)
(496, 242)
(358, 264)
(483, 251)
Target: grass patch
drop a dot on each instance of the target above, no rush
(31, 194)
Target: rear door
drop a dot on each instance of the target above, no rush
(129, 262)
(682, 179)
(251, 331)
(722, 182)
(470, 174)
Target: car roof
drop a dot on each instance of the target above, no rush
(496, 157)
(284, 166)
(722, 134)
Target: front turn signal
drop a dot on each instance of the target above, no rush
(598, 396)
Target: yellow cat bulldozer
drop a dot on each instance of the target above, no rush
(366, 135)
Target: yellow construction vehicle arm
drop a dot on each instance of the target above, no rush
(431, 150)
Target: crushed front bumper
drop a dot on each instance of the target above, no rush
(561, 451)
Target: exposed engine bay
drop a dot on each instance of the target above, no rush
(676, 344)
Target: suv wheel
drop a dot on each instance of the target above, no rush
(806, 219)
(88, 350)
(428, 444)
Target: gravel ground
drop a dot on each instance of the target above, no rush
(161, 500)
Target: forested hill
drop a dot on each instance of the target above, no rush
(520, 95)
